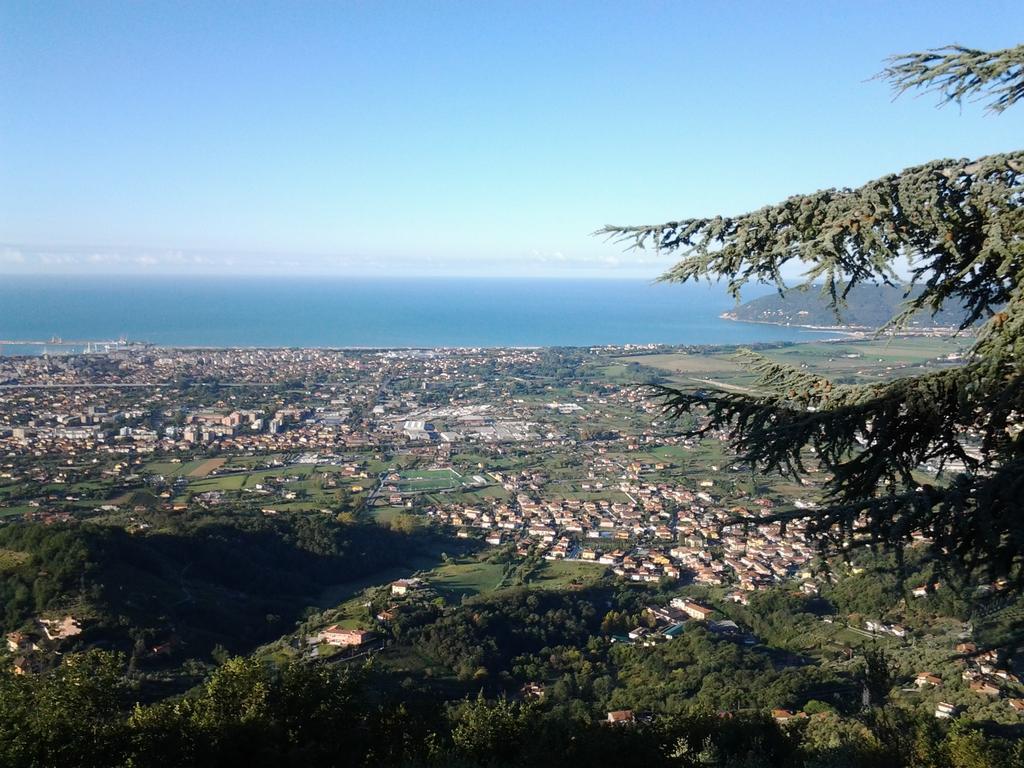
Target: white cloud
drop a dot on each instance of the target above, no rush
(536, 262)
(11, 256)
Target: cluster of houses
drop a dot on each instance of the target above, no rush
(27, 647)
(985, 673)
(658, 530)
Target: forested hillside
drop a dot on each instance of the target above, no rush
(248, 713)
(867, 306)
(177, 586)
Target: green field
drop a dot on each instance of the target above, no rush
(559, 574)
(384, 515)
(465, 578)
(208, 467)
(859, 359)
(575, 491)
(480, 494)
(11, 559)
(217, 483)
(251, 462)
(671, 453)
(686, 363)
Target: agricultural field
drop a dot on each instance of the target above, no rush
(207, 467)
(849, 360)
(574, 490)
(694, 364)
(218, 483)
(255, 462)
(173, 469)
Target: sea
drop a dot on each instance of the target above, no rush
(368, 313)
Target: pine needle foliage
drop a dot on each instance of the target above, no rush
(957, 73)
(960, 226)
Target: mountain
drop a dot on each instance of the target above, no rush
(867, 306)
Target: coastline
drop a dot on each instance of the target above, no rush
(855, 331)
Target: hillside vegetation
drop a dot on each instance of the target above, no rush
(177, 587)
(867, 306)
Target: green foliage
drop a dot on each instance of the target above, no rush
(831, 742)
(968, 747)
(877, 676)
(491, 731)
(249, 713)
(697, 668)
(68, 717)
(779, 617)
(957, 73)
(489, 632)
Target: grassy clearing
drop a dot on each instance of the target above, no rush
(465, 578)
(490, 492)
(384, 515)
(671, 453)
(12, 559)
(353, 614)
(251, 462)
(559, 574)
(688, 364)
(575, 491)
(300, 471)
(221, 483)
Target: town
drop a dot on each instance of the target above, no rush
(558, 457)
(563, 466)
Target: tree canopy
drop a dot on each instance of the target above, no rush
(960, 226)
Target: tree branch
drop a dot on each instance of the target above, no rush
(957, 73)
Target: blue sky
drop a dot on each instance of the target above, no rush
(440, 138)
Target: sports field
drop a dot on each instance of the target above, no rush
(427, 480)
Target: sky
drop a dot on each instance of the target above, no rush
(447, 138)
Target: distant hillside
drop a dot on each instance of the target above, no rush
(187, 583)
(868, 306)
